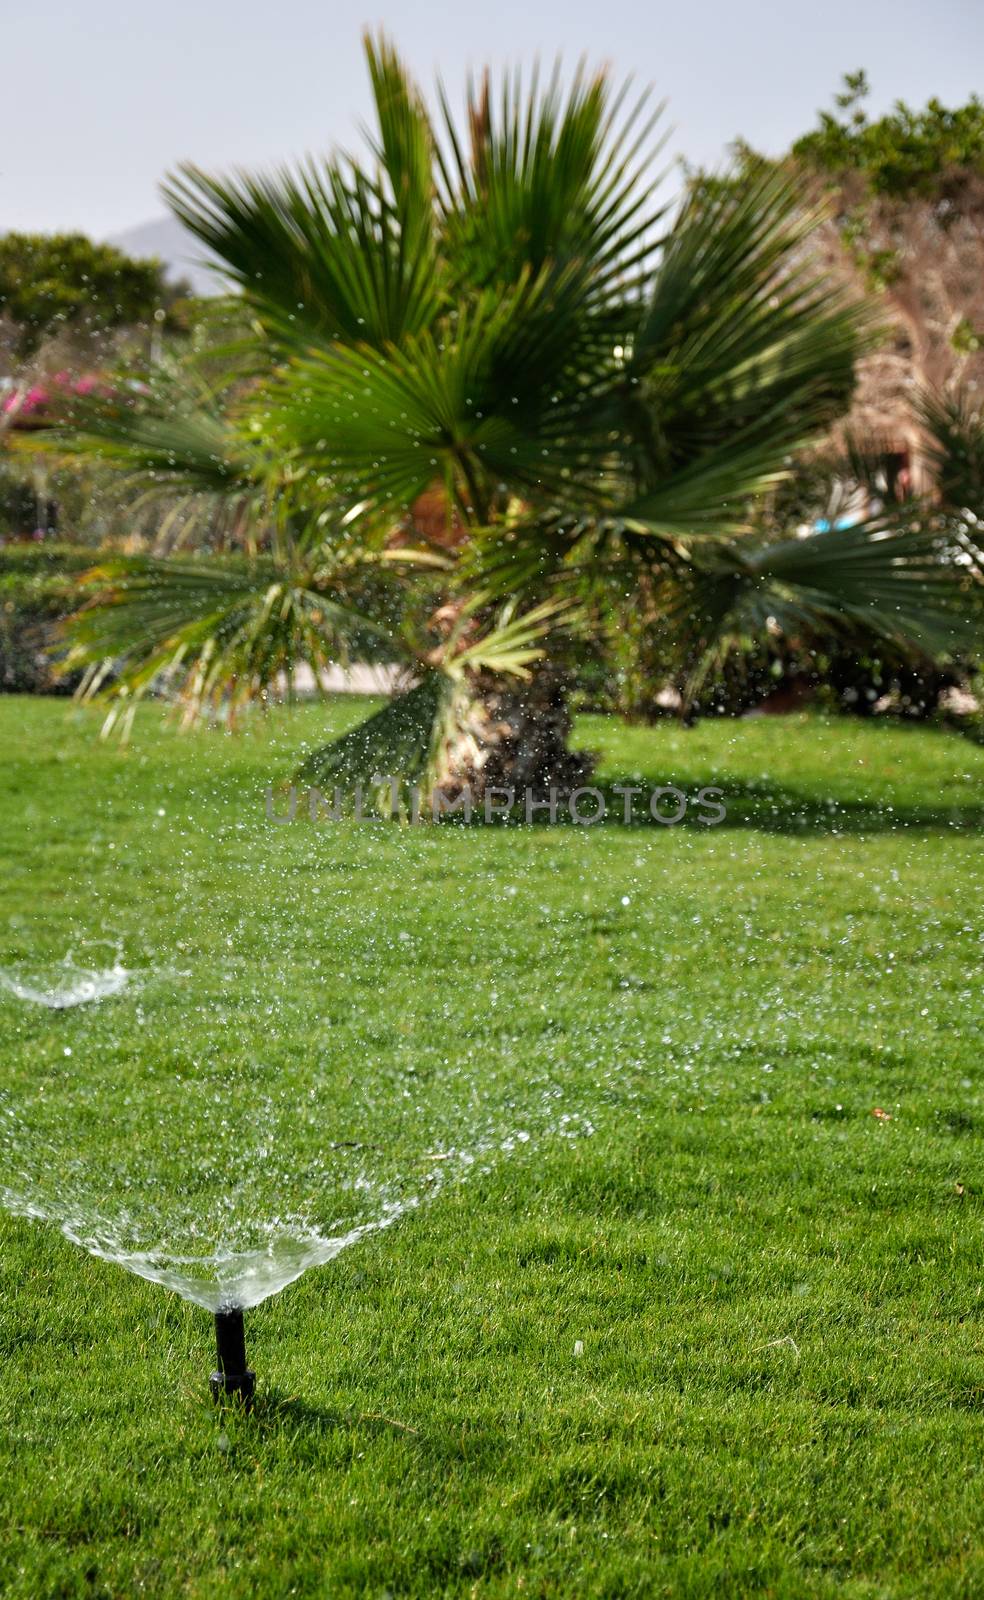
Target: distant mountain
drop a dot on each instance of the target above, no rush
(179, 250)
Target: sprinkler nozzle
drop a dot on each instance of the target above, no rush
(233, 1380)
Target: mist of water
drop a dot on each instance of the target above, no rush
(223, 1180)
(65, 985)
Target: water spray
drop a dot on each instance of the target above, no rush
(233, 1380)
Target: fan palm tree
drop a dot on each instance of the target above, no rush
(490, 387)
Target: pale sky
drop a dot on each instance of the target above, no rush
(98, 98)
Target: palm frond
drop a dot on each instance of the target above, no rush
(511, 644)
(402, 741)
(551, 182)
(220, 632)
(954, 425)
(916, 583)
(404, 146)
(168, 452)
(520, 554)
(161, 430)
(465, 403)
(737, 332)
(319, 254)
(711, 492)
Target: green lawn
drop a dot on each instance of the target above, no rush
(776, 1294)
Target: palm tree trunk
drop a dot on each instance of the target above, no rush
(513, 736)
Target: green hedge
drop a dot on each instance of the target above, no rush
(38, 588)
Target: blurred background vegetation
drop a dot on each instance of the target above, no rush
(903, 228)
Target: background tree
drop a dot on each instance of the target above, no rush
(70, 308)
(50, 283)
(907, 221)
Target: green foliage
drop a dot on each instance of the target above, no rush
(872, 635)
(38, 590)
(906, 153)
(965, 338)
(18, 503)
(241, 623)
(54, 281)
(840, 578)
(498, 318)
(399, 741)
(848, 674)
(954, 430)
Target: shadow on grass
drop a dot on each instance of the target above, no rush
(274, 1409)
(764, 807)
(779, 808)
(448, 1439)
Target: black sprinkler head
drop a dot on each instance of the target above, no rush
(233, 1380)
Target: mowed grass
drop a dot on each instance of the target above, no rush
(768, 1252)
